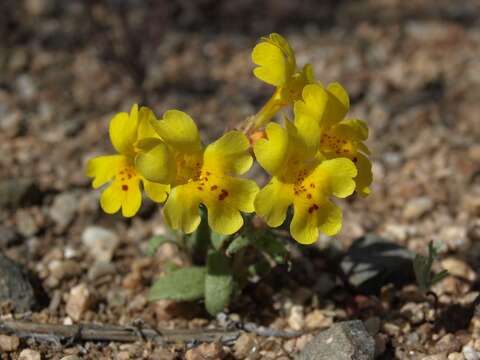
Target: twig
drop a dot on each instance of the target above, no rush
(93, 332)
(102, 332)
(267, 332)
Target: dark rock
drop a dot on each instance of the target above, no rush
(19, 287)
(372, 261)
(8, 237)
(17, 192)
(347, 340)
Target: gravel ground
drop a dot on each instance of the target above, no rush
(413, 72)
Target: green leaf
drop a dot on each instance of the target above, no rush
(218, 283)
(239, 243)
(260, 268)
(217, 240)
(185, 284)
(422, 266)
(155, 242)
(273, 247)
(199, 241)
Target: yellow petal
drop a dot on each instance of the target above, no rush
(178, 130)
(111, 200)
(156, 163)
(352, 129)
(103, 168)
(337, 106)
(340, 94)
(307, 221)
(335, 177)
(123, 131)
(314, 102)
(308, 113)
(124, 194)
(156, 192)
(273, 201)
(145, 119)
(271, 152)
(225, 203)
(229, 154)
(224, 219)
(276, 60)
(181, 209)
(132, 199)
(365, 176)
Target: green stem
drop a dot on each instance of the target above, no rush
(266, 113)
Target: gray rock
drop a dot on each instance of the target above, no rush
(417, 207)
(16, 287)
(7, 237)
(63, 209)
(17, 192)
(372, 262)
(100, 242)
(347, 340)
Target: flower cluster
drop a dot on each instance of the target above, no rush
(316, 156)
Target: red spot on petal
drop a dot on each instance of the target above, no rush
(214, 187)
(223, 195)
(200, 188)
(125, 187)
(309, 196)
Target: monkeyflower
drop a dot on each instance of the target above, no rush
(302, 178)
(119, 170)
(320, 119)
(277, 66)
(199, 175)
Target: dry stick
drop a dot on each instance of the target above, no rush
(91, 332)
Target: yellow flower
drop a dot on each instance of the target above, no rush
(303, 179)
(320, 119)
(119, 170)
(199, 175)
(277, 66)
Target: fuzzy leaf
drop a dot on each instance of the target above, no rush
(217, 240)
(273, 247)
(218, 283)
(185, 284)
(237, 244)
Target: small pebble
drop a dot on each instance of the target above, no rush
(9, 343)
(455, 356)
(296, 320)
(458, 268)
(79, 301)
(442, 356)
(99, 269)
(212, 351)
(417, 207)
(448, 343)
(317, 320)
(244, 345)
(469, 353)
(63, 209)
(100, 242)
(29, 354)
(61, 269)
